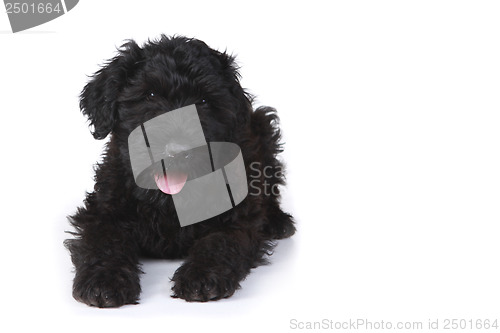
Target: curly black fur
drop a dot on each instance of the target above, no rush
(121, 222)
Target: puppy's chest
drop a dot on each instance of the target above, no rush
(159, 235)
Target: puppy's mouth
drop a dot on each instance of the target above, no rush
(171, 172)
(171, 182)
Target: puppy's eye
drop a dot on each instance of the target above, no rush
(203, 101)
(151, 94)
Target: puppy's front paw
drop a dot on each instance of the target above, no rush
(199, 283)
(106, 288)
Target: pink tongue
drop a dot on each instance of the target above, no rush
(172, 183)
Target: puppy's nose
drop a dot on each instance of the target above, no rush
(173, 148)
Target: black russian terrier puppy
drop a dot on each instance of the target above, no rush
(120, 222)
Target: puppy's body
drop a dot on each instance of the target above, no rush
(121, 221)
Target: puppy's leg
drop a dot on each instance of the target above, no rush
(217, 263)
(280, 225)
(106, 261)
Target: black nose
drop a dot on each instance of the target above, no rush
(173, 149)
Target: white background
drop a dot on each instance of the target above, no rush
(390, 112)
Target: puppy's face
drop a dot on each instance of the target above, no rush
(142, 83)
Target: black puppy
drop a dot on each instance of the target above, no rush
(121, 221)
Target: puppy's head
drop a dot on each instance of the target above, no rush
(141, 83)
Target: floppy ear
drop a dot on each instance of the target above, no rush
(232, 74)
(98, 98)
